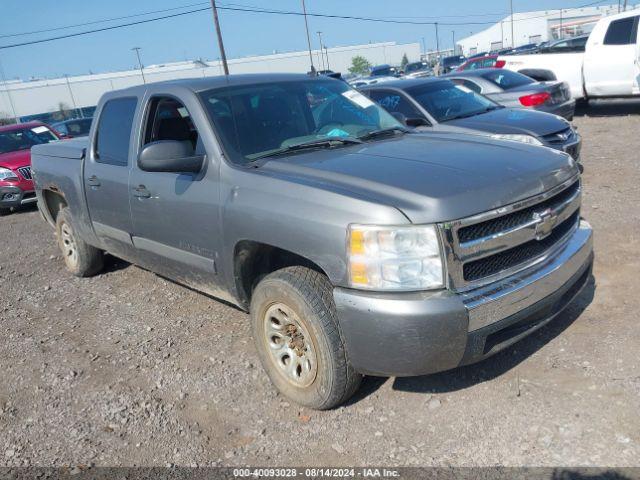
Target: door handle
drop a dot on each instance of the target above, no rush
(141, 192)
(93, 181)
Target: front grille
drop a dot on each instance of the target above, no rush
(507, 259)
(558, 138)
(25, 172)
(512, 220)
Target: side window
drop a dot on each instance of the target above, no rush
(114, 131)
(395, 102)
(168, 119)
(469, 84)
(622, 32)
(475, 64)
(488, 63)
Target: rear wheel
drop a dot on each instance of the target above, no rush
(297, 336)
(81, 259)
(4, 211)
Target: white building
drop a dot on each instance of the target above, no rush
(25, 99)
(536, 27)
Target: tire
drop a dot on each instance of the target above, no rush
(4, 211)
(296, 331)
(81, 259)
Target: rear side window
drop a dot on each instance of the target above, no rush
(114, 131)
(506, 79)
(467, 83)
(622, 32)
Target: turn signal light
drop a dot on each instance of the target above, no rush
(535, 99)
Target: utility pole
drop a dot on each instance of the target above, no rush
(326, 52)
(137, 50)
(223, 55)
(306, 26)
(513, 38)
(424, 47)
(321, 50)
(73, 99)
(624, 6)
(6, 89)
(560, 34)
(453, 40)
(501, 34)
(437, 41)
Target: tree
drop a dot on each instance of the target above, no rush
(359, 65)
(404, 62)
(5, 119)
(63, 112)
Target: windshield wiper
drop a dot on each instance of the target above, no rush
(312, 144)
(383, 132)
(473, 114)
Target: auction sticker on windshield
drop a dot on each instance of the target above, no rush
(357, 98)
(40, 129)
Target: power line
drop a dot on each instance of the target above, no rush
(106, 20)
(265, 11)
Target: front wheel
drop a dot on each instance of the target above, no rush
(4, 211)
(297, 336)
(81, 259)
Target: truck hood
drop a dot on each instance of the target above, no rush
(512, 120)
(431, 177)
(13, 160)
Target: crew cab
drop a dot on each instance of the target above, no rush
(356, 246)
(608, 67)
(16, 185)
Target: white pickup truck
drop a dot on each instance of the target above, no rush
(609, 66)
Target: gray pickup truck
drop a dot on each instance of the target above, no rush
(358, 247)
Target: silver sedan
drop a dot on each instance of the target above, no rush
(513, 89)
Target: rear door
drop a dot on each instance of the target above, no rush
(106, 175)
(611, 59)
(176, 228)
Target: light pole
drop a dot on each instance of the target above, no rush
(137, 50)
(321, 52)
(6, 89)
(306, 26)
(513, 38)
(219, 34)
(437, 41)
(453, 40)
(73, 99)
(326, 52)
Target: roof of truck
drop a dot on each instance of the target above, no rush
(202, 84)
(20, 126)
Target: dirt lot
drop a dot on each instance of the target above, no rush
(129, 369)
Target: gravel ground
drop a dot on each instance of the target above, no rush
(130, 369)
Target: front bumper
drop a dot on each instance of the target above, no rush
(416, 333)
(11, 196)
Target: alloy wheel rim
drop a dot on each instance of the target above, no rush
(289, 345)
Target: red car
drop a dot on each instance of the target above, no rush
(16, 184)
(486, 61)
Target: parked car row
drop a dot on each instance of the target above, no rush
(16, 181)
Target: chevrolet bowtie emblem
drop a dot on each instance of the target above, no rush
(545, 221)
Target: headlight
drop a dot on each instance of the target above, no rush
(518, 138)
(6, 174)
(394, 258)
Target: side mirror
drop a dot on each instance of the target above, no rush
(170, 156)
(416, 122)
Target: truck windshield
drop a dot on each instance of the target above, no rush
(25, 138)
(254, 121)
(445, 100)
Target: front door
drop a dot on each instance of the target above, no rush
(106, 176)
(611, 67)
(175, 215)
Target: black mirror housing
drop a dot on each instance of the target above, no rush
(416, 122)
(170, 156)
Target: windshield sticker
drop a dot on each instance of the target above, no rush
(463, 88)
(40, 129)
(337, 132)
(357, 98)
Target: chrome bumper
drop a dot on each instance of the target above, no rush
(499, 300)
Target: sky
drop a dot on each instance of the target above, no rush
(192, 36)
